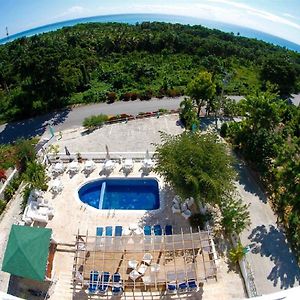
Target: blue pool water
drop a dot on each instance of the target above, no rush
(121, 193)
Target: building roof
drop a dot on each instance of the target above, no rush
(27, 252)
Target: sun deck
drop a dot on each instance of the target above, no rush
(176, 257)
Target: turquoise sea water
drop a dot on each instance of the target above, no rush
(134, 18)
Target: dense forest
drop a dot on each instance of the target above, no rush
(107, 62)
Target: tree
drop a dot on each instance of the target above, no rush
(201, 89)
(195, 165)
(235, 214)
(35, 176)
(188, 115)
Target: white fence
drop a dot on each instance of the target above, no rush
(7, 182)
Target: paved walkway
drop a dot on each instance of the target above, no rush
(11, 216)
(273, 264)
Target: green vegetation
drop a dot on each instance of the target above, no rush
(237, 253)
(94, 122)
(22, 155)
(188, 115)
(269, 139)
(106, 62)
(198, 166)
(201, 89)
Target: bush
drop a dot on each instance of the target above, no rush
(25, 153)
(94, 122)
(125, 97)
(2, 175)
(111, 97)
(11, 188)
(146, 95)
(134, 96)
(223, 131)
(199, 220)
(2, 206)
(174, 92)
(236, 254)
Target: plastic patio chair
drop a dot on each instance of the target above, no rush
(157, 229)
(99, 231)
(108, 230)
(103, 283)
(93, 282)
(192, 285)
(168, 230)
(118, 230)
(182, 287)
(171, 287)
(147, 258)
(147, 230)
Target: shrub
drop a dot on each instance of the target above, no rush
(2, 206)
(146, 95)
(11, 188)
(134, 96)
(25, 153)
(199, 220)
(223, 130)
(236, 254)
(111, 97)
(2, 175)
(93, 122)
(174, 92)
(125, 97)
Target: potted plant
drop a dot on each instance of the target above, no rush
(54, 150)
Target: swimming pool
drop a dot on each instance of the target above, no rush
(121, 193)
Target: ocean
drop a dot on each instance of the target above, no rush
(138, 18)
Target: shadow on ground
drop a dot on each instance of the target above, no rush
(32, 127)
(246, 180)
(271, 242)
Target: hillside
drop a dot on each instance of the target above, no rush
(106, 62)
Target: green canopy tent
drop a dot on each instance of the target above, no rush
(27, 252)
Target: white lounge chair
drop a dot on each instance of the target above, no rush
(73, 167)
(108, 166)
(58, 168)
(189, 201)
(89, 166)
(128, 165)
(56, 186)
(186, 213)
(147, 164)
(176, 208)
(132, 264)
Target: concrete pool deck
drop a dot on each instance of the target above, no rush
(127, 140)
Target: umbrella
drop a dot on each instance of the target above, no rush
(147, 154)
(67, 151)
(107, 152)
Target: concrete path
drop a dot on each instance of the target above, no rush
(72, 118)
(11, 215)
(273, 264)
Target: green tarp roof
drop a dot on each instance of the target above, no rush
(27, 252)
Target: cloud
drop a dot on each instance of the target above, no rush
(74, 11)
(258, 12)
(289, 15)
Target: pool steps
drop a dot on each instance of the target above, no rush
(102, 194)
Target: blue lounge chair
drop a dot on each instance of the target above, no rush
(99, 231)
(118, 230)
(117, 288)
(147, 230)
(192, 285)
(157, 229)
(168, 230)
(171, 288)
(93, 282)
(182, 287)
(108, 230)
(103, 283)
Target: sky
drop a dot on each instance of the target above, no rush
(277, 17)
